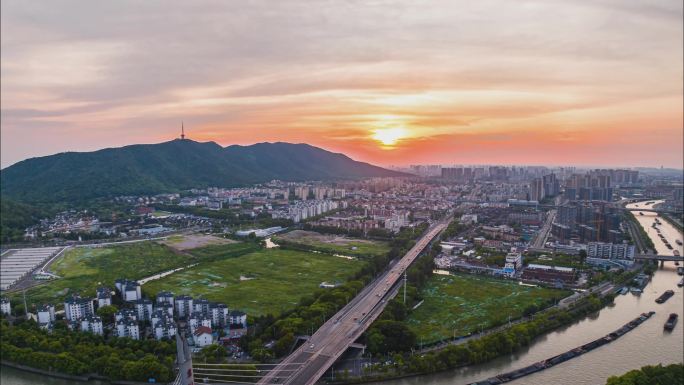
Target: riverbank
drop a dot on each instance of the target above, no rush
(570, 354)
(482, 350)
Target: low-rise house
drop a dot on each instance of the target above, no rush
(202, 336)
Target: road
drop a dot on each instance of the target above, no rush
(540, 240)
(311, 360)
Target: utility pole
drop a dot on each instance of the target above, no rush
(404, 287)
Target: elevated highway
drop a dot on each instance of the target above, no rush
(311, 360)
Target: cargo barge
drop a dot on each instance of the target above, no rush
(665, 296)
(570, 354)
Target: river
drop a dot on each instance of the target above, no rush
(648, 344)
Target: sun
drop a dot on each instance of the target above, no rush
(389, 136)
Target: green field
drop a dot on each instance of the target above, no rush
(84, 269)
(334, 244)
(261, 282)
(460, 304)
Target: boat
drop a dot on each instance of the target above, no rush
(635, 290)
(640, 213)
(624, 290)
(679, 242)
(680, 270)
(671, 321)
(675, 253)
(681, 283)
(665, 296)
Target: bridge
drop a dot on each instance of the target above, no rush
(310, 361)
(621, 208)
(659, 257)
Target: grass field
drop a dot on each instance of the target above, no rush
(335, 244)
(84, 269)
(261, 282)
(461, 304)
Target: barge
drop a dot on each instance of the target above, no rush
(570, 354)
(671, 322)
(665, 296)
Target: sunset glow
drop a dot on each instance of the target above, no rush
(396, 83)
(389, 136)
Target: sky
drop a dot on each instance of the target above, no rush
(557, 82)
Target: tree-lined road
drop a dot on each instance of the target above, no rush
(310, 361)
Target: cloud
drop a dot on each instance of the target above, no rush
(121, 72)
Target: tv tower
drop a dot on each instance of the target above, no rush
(182, 131)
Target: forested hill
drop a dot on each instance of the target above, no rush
(172, 166)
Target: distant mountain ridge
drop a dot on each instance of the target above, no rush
(173, 166)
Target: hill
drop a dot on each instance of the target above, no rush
(172, 166)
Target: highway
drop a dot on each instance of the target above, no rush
(540, 240)
(310, 361)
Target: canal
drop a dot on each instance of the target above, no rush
(647, 344)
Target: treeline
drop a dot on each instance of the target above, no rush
(78, 353)
(488, 347)
(655, 375)
(313, 310)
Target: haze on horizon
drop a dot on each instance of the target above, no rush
(388, 82)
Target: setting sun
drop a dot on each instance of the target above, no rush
(389, 136)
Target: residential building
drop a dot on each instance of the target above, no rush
(104, 297)
(129, 290)
(218, 313)
(165, 328)
(514, 263)
(602, 250)
(165, 297)
(76, 308)
(126, 314)
(5, 306)
(127, 328)
(165, 307)
(184, 306)
(198, 319)
(46, 314)
(237, 317)
(143, 308)
(92, 324)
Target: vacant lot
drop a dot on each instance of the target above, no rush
(334, 244)
(461, 304)
(261, 282)
(83, 269)
(188, 242)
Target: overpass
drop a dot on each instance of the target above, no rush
(311, 360)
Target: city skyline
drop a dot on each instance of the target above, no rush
(572, 83)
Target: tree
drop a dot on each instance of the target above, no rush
(107, 313)
(582, 256)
